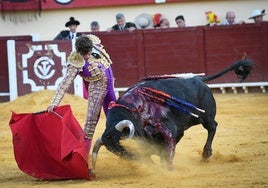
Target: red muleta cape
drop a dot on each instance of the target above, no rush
(50, 146)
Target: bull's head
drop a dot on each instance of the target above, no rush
(111, 139)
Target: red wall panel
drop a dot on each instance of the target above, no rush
(226, 44)
(4, 82)
(122, 47)
(172, 51)
(263, 60)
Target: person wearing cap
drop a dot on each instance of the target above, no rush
(257, 15)
(71, 33)
(122, 25)
(94, 26)
(180, 21)
(144, 21)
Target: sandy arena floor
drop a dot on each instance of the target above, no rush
(240, 149)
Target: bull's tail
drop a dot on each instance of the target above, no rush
(242, 69)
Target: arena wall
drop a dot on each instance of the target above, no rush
(36, 65)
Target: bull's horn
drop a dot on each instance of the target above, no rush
(95, 151)
(126, 123)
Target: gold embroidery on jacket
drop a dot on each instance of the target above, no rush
(64, 85)
(75, 59)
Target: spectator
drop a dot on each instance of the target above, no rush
(122, 25)
(71, 33)
(230, 19)
(164, 23)
(180, 21)
(144, 21)
(95, 26)
(257, 15)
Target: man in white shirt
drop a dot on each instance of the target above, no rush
(230, 19)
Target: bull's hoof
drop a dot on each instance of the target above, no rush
(92, 175)
(170, 167)
(206, 160)
(206, 154)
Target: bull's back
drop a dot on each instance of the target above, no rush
(191, 90)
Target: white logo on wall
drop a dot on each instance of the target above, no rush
(42, 67)
(64, 2)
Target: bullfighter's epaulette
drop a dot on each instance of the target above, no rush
(75, 59)
(98, 47)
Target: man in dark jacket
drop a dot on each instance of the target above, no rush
(122, 25)
(71, 33)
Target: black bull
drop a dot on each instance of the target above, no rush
(159, 109)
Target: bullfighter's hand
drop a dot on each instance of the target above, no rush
(51, 107)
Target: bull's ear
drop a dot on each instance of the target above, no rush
(124, 124)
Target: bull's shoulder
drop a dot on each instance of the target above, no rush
(172, 83)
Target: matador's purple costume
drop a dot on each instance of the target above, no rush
(97, 76)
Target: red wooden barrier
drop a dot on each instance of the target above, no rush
(167, 51)
(124, 50)
(226, 44)
(4, 83)
(37, 66)
(194, 49)
(172, 51)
